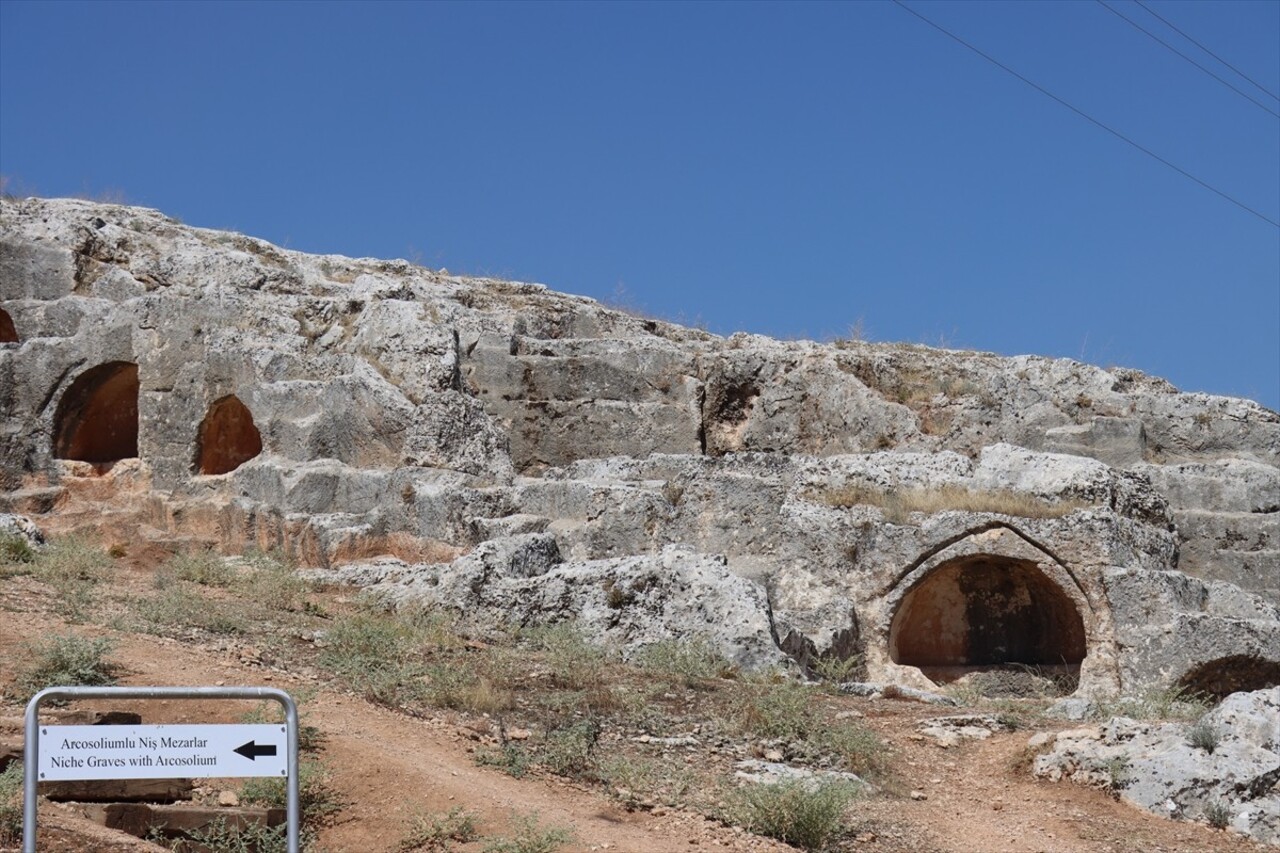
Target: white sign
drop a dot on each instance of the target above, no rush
(161, 752)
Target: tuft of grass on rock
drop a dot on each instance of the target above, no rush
(899, 504)
(1169, 703)
(1204, 735)
(834, 670)
(1217, 814)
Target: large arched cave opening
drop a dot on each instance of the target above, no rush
(97, 417)
(228, 437)
(8, 331)
(983, 612)
(1218, 679)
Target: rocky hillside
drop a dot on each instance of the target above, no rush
(501, 447)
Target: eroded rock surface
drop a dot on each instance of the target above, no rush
(1226, 767)
(500, 447)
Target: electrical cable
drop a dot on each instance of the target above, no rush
(1088, 117)
(1173, 49)
(1171, 26)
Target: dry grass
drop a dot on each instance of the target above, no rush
(900, 504)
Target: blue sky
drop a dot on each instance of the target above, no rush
(789, 169)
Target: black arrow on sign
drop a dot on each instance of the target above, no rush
(252, 750)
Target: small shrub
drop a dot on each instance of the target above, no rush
(635, 781)
(437, 832)
(205, 568)
(861, 749)
(176, 608)
(15, 551)
(575, 662)
(11, 804)
(1218, 814)
(272, 580)
(806, 816)
(1204, 735)
(65, 661)
(837, 670)
(461, 687)
(439, 629)
(72, 558)
(779, 711)
(691, 661)
(1116, 769)
(315, 795)
(531, 838)
(511, 758)
(72, 566)
(374, 655)
(221, 837)
(1170, 703)
(569, 751)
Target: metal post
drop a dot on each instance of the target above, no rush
(31, 742)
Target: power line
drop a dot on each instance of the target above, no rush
(1170, 47)
(1088, 117)
(1171, 26)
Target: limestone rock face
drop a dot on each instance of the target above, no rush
(924, 513)
(1232, 763)
(629, 603)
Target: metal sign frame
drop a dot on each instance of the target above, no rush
(31, 742)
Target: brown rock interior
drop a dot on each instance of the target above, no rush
(1220, 678)
(228, 437)
(97, 417)
(8, 332)
(978, 612)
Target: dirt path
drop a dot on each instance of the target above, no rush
(386, 766)
(389, 767)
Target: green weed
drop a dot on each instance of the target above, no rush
(574, 661)
(436, 833)
(204, 567)
(804, 815)
(692, 662)
(1218, 815)
(529, 837)
(11, 804)
(65, 661)
(315, 794)
(176, 608)
(375, 654)
(1204, 735)
(16, 554)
